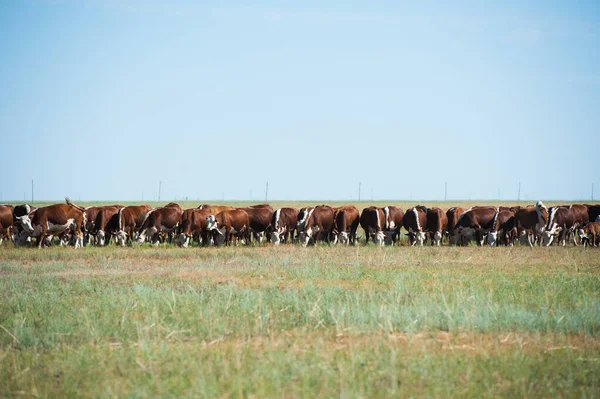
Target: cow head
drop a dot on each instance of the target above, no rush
(120, 238)
(25, 222)
(275, 238)
(492, 238)
(379, 238)
(184, 240)
(305, 236)
(101, 237)
(343, 238)
(437, 238)
(585, 238)
(211, 223)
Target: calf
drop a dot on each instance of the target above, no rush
(345, 224)
(319, 223)
(415, 222)
(160, 220)
(55, 220)
(504, 225)
(590, 234)
(130, 220)
(561, 223)
(229, 222)
(284, 223)
(437, 223)
(372, 220)
(476, 223)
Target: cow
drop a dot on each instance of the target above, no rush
(91, 214)
(453, 214)
(193, 226)
(345, 224)
(284, 223)
(160, 220)
(372, 221)
(130, 220)
(319, 223)
(561, 223)
(20, 237)
(531, 219)
(580, 217)
(55, 220)
(260, 220)
(504, 225)
(437, 224)
(394, 218)
(107, 222)
(229, 222)
(590, 234)
(6, 221)
(415, 222)
(303, 216)
(476, 222)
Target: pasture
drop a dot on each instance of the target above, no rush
(300, 322)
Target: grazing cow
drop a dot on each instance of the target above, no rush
(55, 220)
(285, 223)
(228, 223)
(345, 224)
(415, 222)
(260, 220)
(303, 216)
(194, 226)
(372, 220)
(394, 219)
(437, 223)
(531, 219)
(91, 215)
(6, 221)
(107, 221)
(319, 223)
(130, 220)
(160, 220)
(590, 234)
(561, 222)
(453, 214)
(504, 229)
(476, 222)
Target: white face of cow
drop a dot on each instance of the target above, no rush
(121, 238)
(275, 238)
(101, 237)
(492, 238)
(184, 240)
(437, 238)
(25, 221)
(420, 238)
(305, 236)
(211, 222)
(547, 237)
(343, 237)
(379, 238)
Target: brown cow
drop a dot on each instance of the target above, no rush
(130, 219)
(260, 220)
(505, 226)
(319, 223)
(285, 223)
(561, 223)
(160, 220)
(453, 214)
(107, 221)
(55, 220)
(372, 220)
(193, 226)
(415, 222)
(230, 222)
(214, 209)
(476, 222)
(437, 224)
(531, 219)
(6, 221)
(394, 219)
(590, 234)
(345, 224)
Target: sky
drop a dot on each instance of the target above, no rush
(102, 99)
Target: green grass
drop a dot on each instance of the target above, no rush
(299, 322)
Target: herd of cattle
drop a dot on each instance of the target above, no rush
(224, 225)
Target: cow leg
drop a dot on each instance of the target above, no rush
(366, 237)
(41, 239)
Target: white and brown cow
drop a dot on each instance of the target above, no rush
(194, 227)
(504, 229)
(415, 223)
(319, 224)
(107, 221)
(284, 223)
(130, 220)
(394, 219)
(531, 220)
(229, 223)
(453, 214)
(345, 223)
(55, 219)
(372, 221)
(437, 224)
(260, 217)
(160, 220)
(475, 223)
(561, 223)
(590, 234)
(303, 216)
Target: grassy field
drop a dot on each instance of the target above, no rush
(299, 322)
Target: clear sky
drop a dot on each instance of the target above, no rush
(101, 99)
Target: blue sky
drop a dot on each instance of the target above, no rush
(101, 99)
